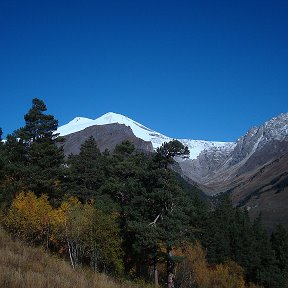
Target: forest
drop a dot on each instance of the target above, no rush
(128, 214)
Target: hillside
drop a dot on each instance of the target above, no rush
(126, 213)
(250, 170)
(22, 266)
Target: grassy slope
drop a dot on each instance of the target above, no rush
(22, 266)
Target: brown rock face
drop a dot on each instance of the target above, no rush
(260, 183)
(265, 191)
(106, 136)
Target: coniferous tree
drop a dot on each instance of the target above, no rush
(279, 241)
(243, 242)
(168, 150)
(126, 148)
(218, 232)
(172, 230)
(86, 173)
(199, 217)
(174, 208)
(124, 183)
(38, 127)
(160, 220)
(15, 173)
(34, 157)
(265, 270)
(231, 235)
(154, 210)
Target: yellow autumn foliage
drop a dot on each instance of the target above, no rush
(194, 271)
(93, 232)
(34, 220)
(79, 230)
(30, 217)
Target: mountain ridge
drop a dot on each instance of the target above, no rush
(265, 141)
(253, 170)
(140, 131)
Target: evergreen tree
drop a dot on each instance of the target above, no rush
(156, 216)
(124, 183)
(231, 235)
(34, 157)
(199, 216)
(265, 270)
(154, 210)
(15, 172)
(279, 241)
(38, 127)
(126, 148)
(243, 243)
(86, 174)
(168, 150)
(173, 208)
(220, 224)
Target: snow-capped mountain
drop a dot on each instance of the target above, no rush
(253, 170)
(140, 131)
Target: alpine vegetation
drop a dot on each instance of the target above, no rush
(127, 213)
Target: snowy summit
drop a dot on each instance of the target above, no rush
(140, 131)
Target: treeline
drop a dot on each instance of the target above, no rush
(230, 234)
(127, 214)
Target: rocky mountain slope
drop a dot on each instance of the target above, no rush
(254, 169)
(139, 130)
(107, 137)
(217, 168)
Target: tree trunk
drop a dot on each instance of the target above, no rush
(156, 281)
(70, 254)
(170, 269)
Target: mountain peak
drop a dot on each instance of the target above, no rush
(112, 117)
(139, 130)
(80, 120)
(113, 114)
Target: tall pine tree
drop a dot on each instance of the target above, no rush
(35, 158)
(86, 172)
(279, 241)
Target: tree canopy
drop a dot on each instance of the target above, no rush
(127, 213)
(166, 153)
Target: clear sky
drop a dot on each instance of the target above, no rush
(202, 69)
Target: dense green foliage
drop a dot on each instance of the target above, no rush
(230, 234)
(125, 212)
(168, 150)
(33, 160)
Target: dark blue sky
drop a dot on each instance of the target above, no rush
(191, 69)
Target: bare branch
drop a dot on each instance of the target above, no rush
(154, 222)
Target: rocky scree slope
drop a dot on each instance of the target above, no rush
(216, 168)
(254, 171)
